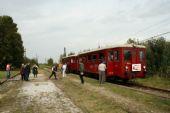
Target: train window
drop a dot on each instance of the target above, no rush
(89, 57)
(72, 61)
(101, 56)
(141, 55)
(110, 56)
(127, 55)
(84, 59)
(80, 59)
(94, 57)
(116, 55)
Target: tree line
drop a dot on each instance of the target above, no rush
(158, 55)
(11, 44)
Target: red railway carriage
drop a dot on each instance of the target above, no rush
(72, 63)
(123, 61)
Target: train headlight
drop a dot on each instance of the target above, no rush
(144, 67)
(126, 68)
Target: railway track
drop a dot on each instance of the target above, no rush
(164, 93)
(11, 78)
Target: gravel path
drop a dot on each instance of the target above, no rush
(40, 95)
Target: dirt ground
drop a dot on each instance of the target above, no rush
(39, 95)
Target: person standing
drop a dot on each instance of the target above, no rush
(8, 68)
(29, 70)
(64, 67)
(22, 71)
(35, 70)
(26, 72)
(60, 67)
(102, 69)
(54, 71)
(81, 69)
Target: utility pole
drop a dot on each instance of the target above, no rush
(64, 52)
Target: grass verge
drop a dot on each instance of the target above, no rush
(3, 74)
(154, 81)
(110, 98)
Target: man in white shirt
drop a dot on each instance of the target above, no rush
(102, 69)
(64, 67)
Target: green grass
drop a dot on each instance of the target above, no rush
(93, 102)
(151, 101)
(3, 74)
(89, 102)
(154, 81)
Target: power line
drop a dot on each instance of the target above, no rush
(164, 21)
(156, 36)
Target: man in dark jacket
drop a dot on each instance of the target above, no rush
(81, 69)
(54, 71)
(26, 72)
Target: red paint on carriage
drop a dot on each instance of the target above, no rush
(123, 61)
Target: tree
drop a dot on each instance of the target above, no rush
(31, 61)
(132, 41)
(50, 61)
(158, 56)
(11, 45)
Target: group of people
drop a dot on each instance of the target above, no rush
(101, 69)
(26, 69)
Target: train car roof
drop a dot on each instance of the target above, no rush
(70, 56)
(108, 47)
(113, 46)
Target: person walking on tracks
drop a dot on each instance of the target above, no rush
(101, 69)
(54, 71)
(81, 69)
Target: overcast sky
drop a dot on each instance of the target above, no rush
(47, 26)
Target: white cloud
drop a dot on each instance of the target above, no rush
(49, 26)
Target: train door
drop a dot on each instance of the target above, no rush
(94, 65)
(127, 55)
(110, 63)
(116, 63)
